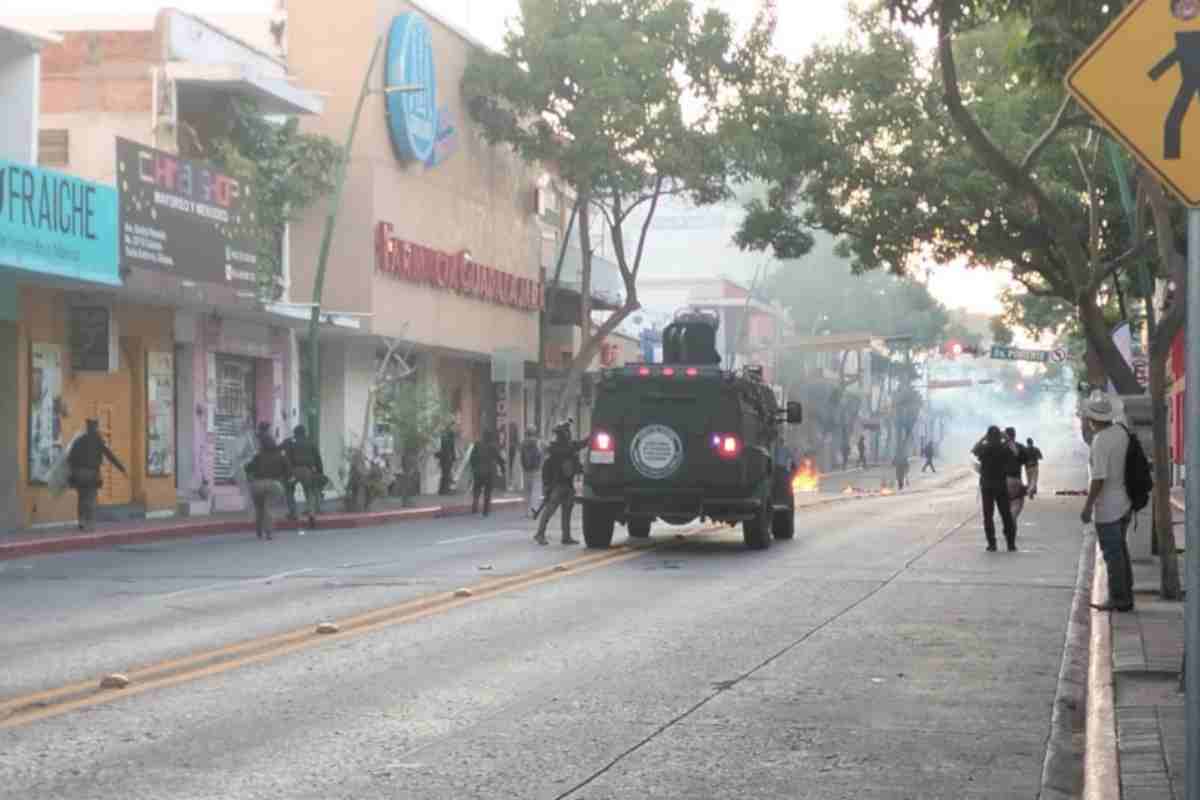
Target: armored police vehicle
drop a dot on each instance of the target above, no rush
(686, 440)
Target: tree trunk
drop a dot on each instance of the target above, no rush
(1164, 531)
(1101, 345)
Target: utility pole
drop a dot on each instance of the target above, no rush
(314, 323)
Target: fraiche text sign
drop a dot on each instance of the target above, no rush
(457, 273)
(57, 224)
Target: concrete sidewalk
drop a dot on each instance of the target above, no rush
(1137, 720)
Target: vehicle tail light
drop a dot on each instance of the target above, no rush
(602, 442)
(692, 372)
(727, 445)
(668, 372)
(644, 372)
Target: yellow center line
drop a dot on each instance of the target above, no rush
(26, 709)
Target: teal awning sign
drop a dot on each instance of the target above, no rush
(57, 224)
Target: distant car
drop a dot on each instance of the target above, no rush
(686, 440)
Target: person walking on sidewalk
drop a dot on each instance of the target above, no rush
(927, 453)
(267, 472)
(487, 462)
(84, 461)
(1108, 502)
(558, 476)
(1033, 458)
(307, 470)
(862, 452)
(994, 456)
(531, 464)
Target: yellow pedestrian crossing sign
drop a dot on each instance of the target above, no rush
(1141, 80)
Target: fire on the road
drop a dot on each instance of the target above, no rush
(806, 478)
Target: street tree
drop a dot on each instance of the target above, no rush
(911, 157)
(1054, 36)
(627, 101)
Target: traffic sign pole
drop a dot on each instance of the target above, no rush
(1192, 559)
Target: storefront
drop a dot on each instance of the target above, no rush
(437, 243)
(76, 349)
(231, 375)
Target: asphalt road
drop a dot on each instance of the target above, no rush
(882, 653)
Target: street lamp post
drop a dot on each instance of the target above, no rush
(314, 349)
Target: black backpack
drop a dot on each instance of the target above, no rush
(1139, 480)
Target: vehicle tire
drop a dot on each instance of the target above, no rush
(756, 532)
(783, 523)
(598, 526)
(638, 528)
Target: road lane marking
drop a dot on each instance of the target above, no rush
(478, 536)
(27, 709)
(50, 703)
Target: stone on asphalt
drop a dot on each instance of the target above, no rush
(327, 628)
(114, 681)
(464, 593)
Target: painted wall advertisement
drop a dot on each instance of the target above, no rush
(45, 410)
(184, 217)
(160, 414)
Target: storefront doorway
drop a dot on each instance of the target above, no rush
(236, 404)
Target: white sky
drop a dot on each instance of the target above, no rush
(801, 24)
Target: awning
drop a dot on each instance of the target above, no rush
(273, 93)
(834, 343)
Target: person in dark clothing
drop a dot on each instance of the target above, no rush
(308, 471)
(558, 478)
(846, 453)
(446, 457)
(995, 457)
(1033, 459)
(267, 471)
(862, 452)
(487, 462)
(85, 459)
(927, 451)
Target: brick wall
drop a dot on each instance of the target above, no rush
(104, 71)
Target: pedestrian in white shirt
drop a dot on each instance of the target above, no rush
(1108, 501)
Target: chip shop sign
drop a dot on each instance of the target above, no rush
(457, 273)
(57, 224)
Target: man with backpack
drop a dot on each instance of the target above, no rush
(1117, 487)
(487, 463)
(307, 470)
(531, 462)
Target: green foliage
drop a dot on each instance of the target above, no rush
(282, 171)
(625, 98)
(414, 413)
(1002, 334)
(869, 153)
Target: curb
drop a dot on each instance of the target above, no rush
(186, 530)
(1062, 769)
(1101, 767)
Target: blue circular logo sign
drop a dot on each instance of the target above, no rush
(412, 115)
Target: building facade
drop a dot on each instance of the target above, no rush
(197, 352)
(438, 242)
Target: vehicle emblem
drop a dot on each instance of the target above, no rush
(657, 452)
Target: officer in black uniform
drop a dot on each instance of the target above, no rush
(558, 478)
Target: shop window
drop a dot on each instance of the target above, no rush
(54, 147)
(93, 339)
